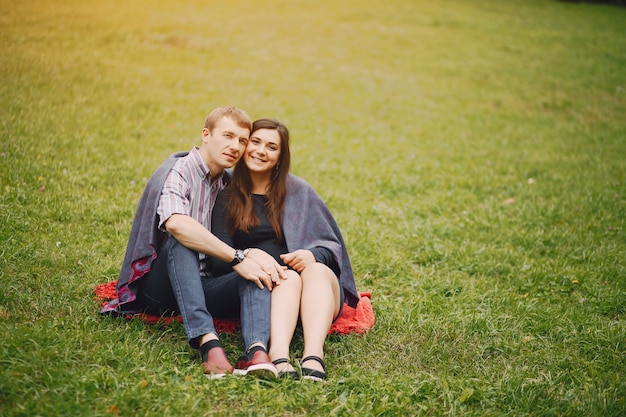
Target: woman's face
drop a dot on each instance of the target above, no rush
(263, 150)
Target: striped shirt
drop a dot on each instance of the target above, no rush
(189, 190)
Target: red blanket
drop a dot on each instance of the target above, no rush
(352, 320)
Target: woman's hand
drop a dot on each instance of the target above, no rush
(299, 259)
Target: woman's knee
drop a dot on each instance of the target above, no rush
(318, 271)
(321, 279)
(292, 274)
(292, 284)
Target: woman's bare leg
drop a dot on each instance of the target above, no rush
(320, 304)
(284, 317)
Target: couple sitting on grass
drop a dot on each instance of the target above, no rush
(207, 243)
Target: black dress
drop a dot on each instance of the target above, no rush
(261, 237)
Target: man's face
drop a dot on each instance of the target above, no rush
(224, 145)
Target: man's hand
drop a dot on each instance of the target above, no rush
(268, 264)
(299, 259)
(251, 270)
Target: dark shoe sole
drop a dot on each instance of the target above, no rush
(313, 375)
(289, 375)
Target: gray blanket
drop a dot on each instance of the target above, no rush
(308, 223)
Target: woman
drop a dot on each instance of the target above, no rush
(266, 207)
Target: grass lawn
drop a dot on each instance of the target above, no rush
(472, 151)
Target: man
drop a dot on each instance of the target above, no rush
(166, 268)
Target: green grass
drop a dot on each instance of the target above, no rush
(471, 151)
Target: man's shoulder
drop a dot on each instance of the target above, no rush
(182, 162)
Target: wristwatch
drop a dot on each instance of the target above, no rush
(239, 257)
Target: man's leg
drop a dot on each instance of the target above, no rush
(155, 295)
(184, 275)
(230, 296)
(174, 284)
(255, 330)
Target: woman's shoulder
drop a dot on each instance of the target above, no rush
(296, 183)
(300, 189)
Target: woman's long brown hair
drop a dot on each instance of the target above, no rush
(240, 210)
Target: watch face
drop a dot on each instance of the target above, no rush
(239, 256)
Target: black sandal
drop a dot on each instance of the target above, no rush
(313, 374)
(286, 374)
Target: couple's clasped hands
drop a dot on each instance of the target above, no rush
(260, 267)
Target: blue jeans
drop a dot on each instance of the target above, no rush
(174, 286)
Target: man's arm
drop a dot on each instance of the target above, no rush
(195, 236)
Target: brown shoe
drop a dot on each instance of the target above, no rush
(217, 365)
(256, 363)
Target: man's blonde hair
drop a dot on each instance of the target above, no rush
(235, 114)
